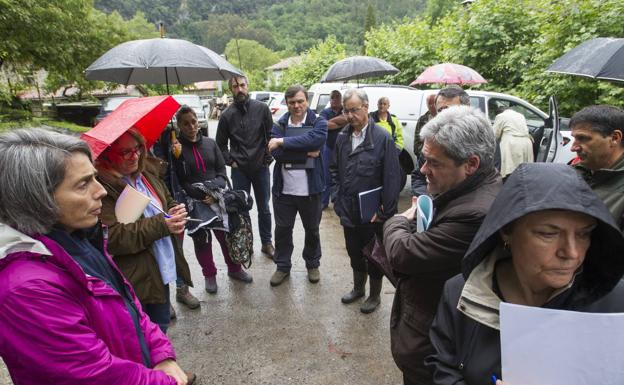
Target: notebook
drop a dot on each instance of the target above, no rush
(370, 202)
(298, 131)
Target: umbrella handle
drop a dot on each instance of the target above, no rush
(176, 148)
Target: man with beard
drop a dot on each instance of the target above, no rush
(246, 125)
(597, 132)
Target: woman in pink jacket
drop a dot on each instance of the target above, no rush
(67, 315)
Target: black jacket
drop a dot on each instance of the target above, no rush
(467, 351)
(247, 130)
(372, 164)
(200, 161)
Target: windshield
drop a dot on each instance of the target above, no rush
(113, 103)
(192, 101)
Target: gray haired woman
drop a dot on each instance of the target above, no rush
(68, 315)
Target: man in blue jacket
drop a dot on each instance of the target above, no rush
(297, 189)
(364, 159)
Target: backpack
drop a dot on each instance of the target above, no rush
(240, 242)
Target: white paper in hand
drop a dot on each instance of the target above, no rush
(557, 347)
(130, 205)
(424, 213)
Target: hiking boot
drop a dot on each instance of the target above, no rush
(172, 313)
(278, 277)
(373, 300)
(183, 295)
(211, 284)
(314, 275)
(242, 276)
(268, 249)
(359, 283)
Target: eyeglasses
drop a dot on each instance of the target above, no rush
(347, 111)
(129, 153)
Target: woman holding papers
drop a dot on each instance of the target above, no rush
(539, 245)
(200, 161)
(147, 250)
(68, 315)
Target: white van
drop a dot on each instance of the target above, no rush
(405, 103)
(408, 104)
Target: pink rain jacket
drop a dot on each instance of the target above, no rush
(60, 326)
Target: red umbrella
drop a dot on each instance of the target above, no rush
(149, 115)
(449, 73)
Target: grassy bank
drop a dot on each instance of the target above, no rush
(41, 122)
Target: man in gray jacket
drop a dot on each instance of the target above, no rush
(458, 150)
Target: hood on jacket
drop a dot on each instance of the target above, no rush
(547, 186)
(13, 241)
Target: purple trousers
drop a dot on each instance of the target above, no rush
(202, 240)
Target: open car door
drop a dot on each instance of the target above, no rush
(549, 142)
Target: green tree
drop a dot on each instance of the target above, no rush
(314, 63)
(409, 46)
(254, 58)
(369, 23)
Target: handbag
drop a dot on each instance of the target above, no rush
(376, 254)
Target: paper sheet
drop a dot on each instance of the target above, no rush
(130, 205)
(424, 213)
(556, 347)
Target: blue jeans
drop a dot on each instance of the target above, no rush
(326, 155)
(159, 313)
(261, 182)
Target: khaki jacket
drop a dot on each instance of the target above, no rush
(130, 244)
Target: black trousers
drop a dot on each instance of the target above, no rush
(356, 238)
(285, 209)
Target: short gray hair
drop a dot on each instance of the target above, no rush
(357, 92)
(33, 165)
(462, 131)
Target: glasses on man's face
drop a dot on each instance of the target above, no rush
(129, 153)
(347, 111)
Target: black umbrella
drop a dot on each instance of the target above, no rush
(358, 67)
(599, 58)
(160, 61)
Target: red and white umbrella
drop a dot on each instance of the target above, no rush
(449, 73)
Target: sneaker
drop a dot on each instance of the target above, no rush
(183, 295)
(242, 276)
(172, 313)
(314, 275)
(268, 249)
(211, 284)
(278, 277)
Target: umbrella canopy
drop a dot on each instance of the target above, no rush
(358, 67)
(149, 115)
(599, 58)
(160, 61)
(449, 73)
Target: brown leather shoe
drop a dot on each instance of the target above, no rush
(268, 249)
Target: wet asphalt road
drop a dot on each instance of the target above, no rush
(296, 333)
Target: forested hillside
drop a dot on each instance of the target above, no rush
(281, 25)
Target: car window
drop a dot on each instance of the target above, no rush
(113, 103)
(477, 102)
(496, 106)
(322, 102)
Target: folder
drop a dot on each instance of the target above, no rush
(370, 202)
(291, 131)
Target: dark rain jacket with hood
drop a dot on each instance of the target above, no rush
(465, 333)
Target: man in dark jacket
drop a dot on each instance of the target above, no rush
(598, 140)
(246, 125)
(459, 146)
(364, 158)
(297, 186)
